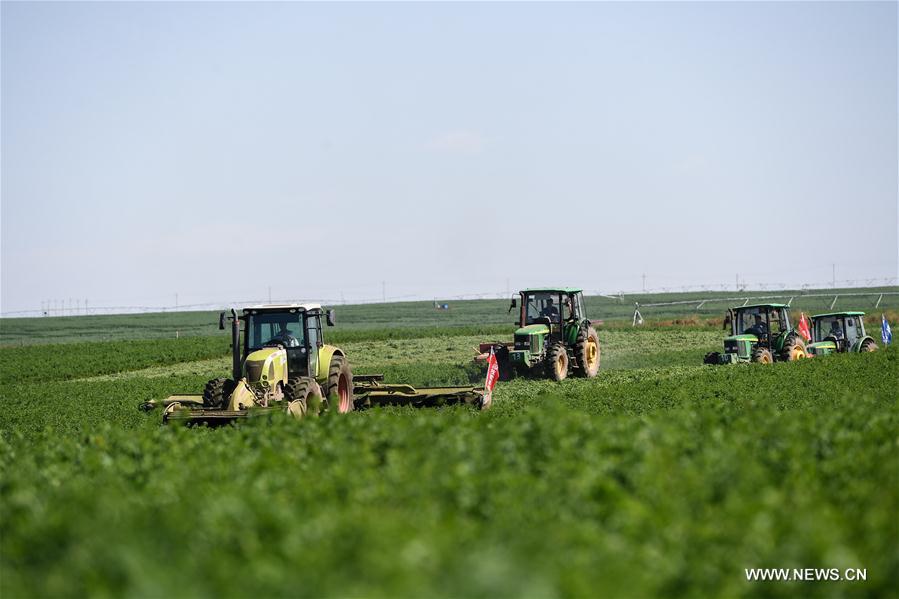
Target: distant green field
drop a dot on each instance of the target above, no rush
(375, 319)
(660, 477)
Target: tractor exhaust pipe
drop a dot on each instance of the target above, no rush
(235, 346)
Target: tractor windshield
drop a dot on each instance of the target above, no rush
(829, 326)
(269, 328)
(752, 321)
(542, 305)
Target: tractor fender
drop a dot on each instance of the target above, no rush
(857, 346)
(780, 340)
(325, 353)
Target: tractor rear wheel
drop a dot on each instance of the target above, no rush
(217, 393)
(303, 396)
(586, 348)
(793, 349)
(340, 385)
(762, 355)
(556, 362)
(868, 345)
(711, 357)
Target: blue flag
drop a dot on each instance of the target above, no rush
(885, 333)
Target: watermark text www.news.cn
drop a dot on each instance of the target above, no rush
(806, 574)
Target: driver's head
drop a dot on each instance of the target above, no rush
(283, 326)
(549, 302)
(758, 319)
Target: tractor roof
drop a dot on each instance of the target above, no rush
(839, 314)
(746, 307)
(552, 290)
(283, 307)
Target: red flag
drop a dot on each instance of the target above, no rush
(803, 327)
(492, 377)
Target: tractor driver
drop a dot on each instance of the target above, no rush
(759, 329)
(550, 311)
(285, 337)
(836, 331)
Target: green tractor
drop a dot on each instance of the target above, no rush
(554, 338)
(759, 333)
(839, 332)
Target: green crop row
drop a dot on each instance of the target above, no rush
(641, 482)
(37, 363)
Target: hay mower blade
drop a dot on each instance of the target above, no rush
(211, 418)
(370, 389)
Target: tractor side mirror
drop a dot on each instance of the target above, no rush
(329, 318)
(514, 304)
(222, 321)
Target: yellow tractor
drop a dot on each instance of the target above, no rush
(282, 363)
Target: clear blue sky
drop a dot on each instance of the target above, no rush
(216, 149)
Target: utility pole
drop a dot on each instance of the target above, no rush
(644, 282)
(737, 284)
(176, 301)
(85, 306)
(833, 275)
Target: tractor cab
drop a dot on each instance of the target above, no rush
(759, 333)
(294, 329)
(551, 307)
(839, 332)
(765, 322)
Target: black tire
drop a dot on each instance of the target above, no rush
(217, 392)
(340, 385)
(711, 358)
(587, 367)
(793, 349)
(762, 355)
(868, 345)
(303, 396)
(555, 364)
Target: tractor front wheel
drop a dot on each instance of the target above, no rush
(762, 355)
(711, 357)
(303, 396)
(794, 349)
(217, 393)
(556, 362)
(868, 346)
(340, 385)
(586, 349)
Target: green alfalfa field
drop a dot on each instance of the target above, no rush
(660, 477)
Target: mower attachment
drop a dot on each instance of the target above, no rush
(368, 389)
